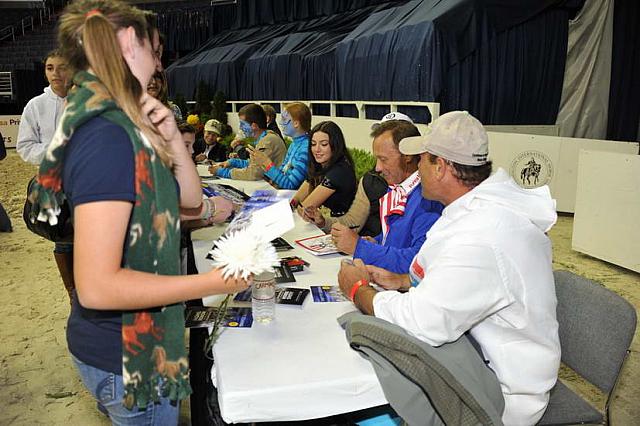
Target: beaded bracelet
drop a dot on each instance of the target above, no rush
(209, 212)
(206, 213)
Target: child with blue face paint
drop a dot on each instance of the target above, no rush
(295, 122)
(246, 129)
(253, 123)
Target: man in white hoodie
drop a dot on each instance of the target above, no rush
(37, 126)
(485, 267)
(42, 113)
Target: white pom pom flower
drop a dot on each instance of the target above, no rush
(242, 253)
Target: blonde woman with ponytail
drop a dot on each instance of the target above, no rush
(119, 160)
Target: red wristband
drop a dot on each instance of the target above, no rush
(355, 287)
(266, 169)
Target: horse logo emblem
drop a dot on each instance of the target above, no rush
(532, 169)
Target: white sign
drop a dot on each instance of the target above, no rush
(536, 160)
(9, 128)
(607, 207)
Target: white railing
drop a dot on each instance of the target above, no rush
(432, 107)
(24, 24)
(360, 106)
(7, 32)
(6, 84)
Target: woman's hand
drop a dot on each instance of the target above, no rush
(238, 284)
(221, 285)
(221, 209)
(303, 211)
(313, 215)
(161, 117)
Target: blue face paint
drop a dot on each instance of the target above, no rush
(286, 123)
(245, 127)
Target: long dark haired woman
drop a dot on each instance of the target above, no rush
(331, 178)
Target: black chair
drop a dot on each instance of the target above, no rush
(596, 327)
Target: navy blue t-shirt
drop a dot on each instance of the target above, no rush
(98, 166)
(342, 179)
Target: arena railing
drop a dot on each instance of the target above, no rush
(6, 84)
(360, 106)
(23, 24)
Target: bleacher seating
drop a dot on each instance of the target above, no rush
(13, 16)
(28, 50)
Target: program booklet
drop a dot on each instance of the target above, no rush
(295, 263)
(205, 316)
(283, 274)
(265, 214)
(318, 245)
(327, 293)
(292, 296)
(225, 191)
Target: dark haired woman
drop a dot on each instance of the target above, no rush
(331, 178)
(159, 89)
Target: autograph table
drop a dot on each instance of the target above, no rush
(300, 365)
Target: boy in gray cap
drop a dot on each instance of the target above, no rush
(211, 150)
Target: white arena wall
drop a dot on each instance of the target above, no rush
(605, 224)
(510, 147)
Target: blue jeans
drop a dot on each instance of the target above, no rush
(108, 389)
(63, 248)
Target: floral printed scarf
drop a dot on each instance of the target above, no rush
(154, 360)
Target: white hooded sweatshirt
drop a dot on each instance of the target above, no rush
(486, 268)
(38, 124)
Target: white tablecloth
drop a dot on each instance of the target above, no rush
(298, 367)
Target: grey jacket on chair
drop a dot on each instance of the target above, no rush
(426, 385)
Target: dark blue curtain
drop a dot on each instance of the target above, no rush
(188, 24)
(502, 61)
(624, 107)
(514, 78)
(281, 61)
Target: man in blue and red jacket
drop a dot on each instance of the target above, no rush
(405, 216)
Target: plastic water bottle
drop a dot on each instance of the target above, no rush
(263, 297)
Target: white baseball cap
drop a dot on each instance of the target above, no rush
(392, 116)
(455, 136)
(214, 126)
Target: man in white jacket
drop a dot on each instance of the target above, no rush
(37, 126)
(42, 113)
(485, 267)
